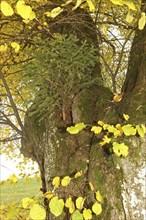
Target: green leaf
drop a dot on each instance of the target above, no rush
(142, 21)
(97, 208)
(96, 129)
(87, 214)
(37, 212)
(120, 149)
(128, 130)
(56, 206)
(77, 215)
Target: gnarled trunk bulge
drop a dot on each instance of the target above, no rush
(59, 153)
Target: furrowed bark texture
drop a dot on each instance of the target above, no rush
(58, 153)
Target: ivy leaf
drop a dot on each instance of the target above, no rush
(6, 9)
(80, 202)
(128, 130)
(120, 149)
(56, 206)
(142, 21)
(97, 208)
(37, 212)
(56, 181)
(99, 197)
(96, 129)
(65, 181)
(70, 204)
(87, 214)
(77, 215)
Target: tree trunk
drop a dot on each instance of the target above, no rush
(58, 153)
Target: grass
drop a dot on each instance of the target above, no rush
(22, 189)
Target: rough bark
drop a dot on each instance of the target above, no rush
(120, 180)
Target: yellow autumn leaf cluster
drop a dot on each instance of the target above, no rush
(130, 4)
(25, 11)
(120, 149)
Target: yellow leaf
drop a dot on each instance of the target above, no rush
(25, 11)
(3, 48)
(16, 46)
(56, 206)
(54, 13)
(117, 2)
(6, 9)
(129, 17)
(106, 140)
(101, 123)
(128, 130)
(130, 5)
(141, 130)
(37, 212)
(99, 197)
(78, 3)
(80, 202)
(78, 174)
(97, 208)
(65, 181)
(142, 21)
(87, 214)
(91, 5)
(96, 129)
(56, 182)
(70, 204)
(49, 194)
(126, 117)
(26, 202)
(91, 186)
(13, 178)
(117, 97)
(120, 149)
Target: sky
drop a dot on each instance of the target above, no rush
(8, 167)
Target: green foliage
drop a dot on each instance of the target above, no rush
(60, 68)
